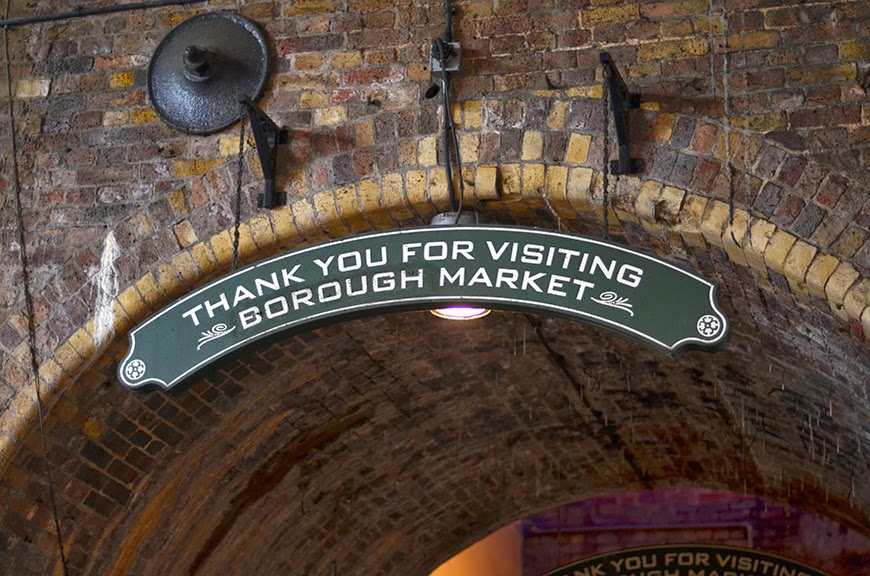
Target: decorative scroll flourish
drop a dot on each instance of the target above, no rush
(217, 331)
(614, 300)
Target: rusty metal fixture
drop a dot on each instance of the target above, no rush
(204, 68)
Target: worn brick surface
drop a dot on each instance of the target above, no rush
(348, 75)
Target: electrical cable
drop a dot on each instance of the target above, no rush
(83, 13)
(28, 297)
(238, 207)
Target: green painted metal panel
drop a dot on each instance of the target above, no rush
(501, 267)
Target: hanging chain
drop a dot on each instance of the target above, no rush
(238, 214)
(28, 298)
(605, 97)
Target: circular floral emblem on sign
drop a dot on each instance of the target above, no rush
(709, 326)
(135, 370)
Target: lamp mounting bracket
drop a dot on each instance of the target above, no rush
(268, 136)
(621, 101)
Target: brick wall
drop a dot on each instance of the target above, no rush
(793, 262)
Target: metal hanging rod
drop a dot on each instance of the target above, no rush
(82, 13)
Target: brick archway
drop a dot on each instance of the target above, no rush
(131, 449)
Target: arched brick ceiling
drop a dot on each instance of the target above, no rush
(384, 446)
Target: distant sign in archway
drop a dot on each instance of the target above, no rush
(505, 267)
(686, 560)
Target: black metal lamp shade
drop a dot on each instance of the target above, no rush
(204, 67)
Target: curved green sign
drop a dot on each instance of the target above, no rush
(504, 267)
(686, 560)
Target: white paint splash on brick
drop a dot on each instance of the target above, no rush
(107, 290)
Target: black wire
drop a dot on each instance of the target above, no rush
(449, 131)
(82, 13)
(28, 301)
(238, 214)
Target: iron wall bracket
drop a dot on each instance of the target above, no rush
(268, 136)
(621, 101)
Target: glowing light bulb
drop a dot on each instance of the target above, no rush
(461, 313)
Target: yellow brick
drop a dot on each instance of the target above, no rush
(283, 224)
(469, 147)
(222, 247)
(69, 358)
(177, 203)
(184, 233)
(473, 114)
(663, 127)
(533, 180)
(365, 134)
(427, 151)
(533, 145)
(83, 342)
(690, 220)
(857, 299)
(229, 146)
(734, 235)
(347, 60)
(348, 207)
(296, 183)
(486, 183)
(261, 230)
(777, 250)
(417, 192)
(133, 303)
(438, 189)
(855, 51)
(51, 373)
(673, 49)
(609, 15)
(756, 243)
(330, 116)
(150, 291)
(511, 179)
(33, 88)
(670, 203)
(370, 203)
(115, 117)
(580, 189)
(557, 115)
(557, 187)
(647, 198)
(753, 40)
(395, 200)
(182, 168)
(308, 7)
(818, 274)
(796, 265)
(578, 148)
(824, 74)
(327, 215)
(204, 258)
(839, 283)
(306, 223)
(121, 79)
(310, 61)
(94, 428)
(169, 281)
(714, 222)
(144, 116)
(310, 100)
